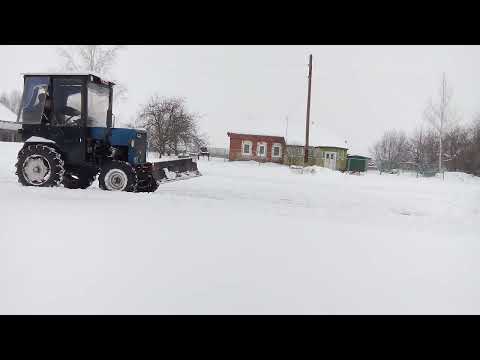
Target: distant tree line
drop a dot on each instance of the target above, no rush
(443, 143)
(420, 150)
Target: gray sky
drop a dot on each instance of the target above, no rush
(357, 91)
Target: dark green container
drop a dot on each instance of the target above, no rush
(357, 163)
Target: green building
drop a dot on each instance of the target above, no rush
(357, 163)
(332, 157)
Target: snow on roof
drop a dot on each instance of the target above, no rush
(68, 74)
(256, 133)
(8, 125)
(317, 137)
(6, 114)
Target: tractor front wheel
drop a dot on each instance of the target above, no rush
(118, 176)
(39, 165)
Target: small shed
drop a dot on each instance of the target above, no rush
(357, 163)
(332, 157)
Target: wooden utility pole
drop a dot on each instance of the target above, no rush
(308, 109)
(286, 129)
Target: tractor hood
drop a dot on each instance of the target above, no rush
(134, 139)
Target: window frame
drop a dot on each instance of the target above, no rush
(331, 155)
(32, 88)
(95, 122)
(250, 143)
(57, 84)
(259, 145)
(279, 146)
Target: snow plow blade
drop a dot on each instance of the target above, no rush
(150, 175)
(174, 170)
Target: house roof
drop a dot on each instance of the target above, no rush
(9, 125)
(316, 147)
(255, 134)
(6, 114)
(357, 157)
(318, 137)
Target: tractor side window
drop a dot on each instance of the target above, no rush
(98, 101)
(33, 100)
(67, 104)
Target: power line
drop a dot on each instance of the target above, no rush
(308, 108)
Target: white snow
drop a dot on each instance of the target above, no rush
(318, 136)
(6, 114)
(7, 125)
(243, 238)
(257, 132)
(39, 139)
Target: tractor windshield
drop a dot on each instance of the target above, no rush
(98, 101)
(33, 100)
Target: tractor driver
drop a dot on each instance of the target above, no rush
(47, 109)
(44, 104)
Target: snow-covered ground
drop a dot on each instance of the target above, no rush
(243, 238)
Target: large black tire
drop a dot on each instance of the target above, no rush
(118, 176)
(79, 178)
(39, 165)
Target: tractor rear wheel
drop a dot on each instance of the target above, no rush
(39, 165)
(80, 178)
(118, 176)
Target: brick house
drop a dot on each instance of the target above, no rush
(263, 148)
(8, 125)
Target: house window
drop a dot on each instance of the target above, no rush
(246, 147)
(262, 149)
(277, 150)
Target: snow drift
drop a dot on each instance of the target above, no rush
(244, 238)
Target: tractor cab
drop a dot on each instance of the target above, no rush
(62, 107)
(66, 100)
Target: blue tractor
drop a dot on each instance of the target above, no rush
(69, 138)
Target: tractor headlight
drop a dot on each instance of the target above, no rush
(132, 143)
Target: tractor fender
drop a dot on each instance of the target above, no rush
(39, 140)
(34, 140)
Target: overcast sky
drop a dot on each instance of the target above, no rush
(357, 91)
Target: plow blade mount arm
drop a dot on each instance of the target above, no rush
(150, 175)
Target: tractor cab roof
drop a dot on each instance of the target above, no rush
(95, 77)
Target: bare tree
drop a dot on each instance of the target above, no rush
(460, 148)
(99, 59)
(471, 157)
(170, 126)
(418, 142)
(441, 115)
(391, 150)
(456, 144)
(12, 100)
